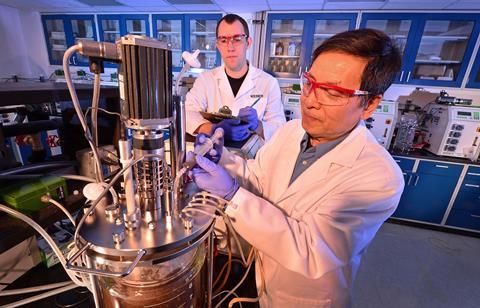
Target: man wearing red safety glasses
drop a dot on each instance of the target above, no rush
(316, 194)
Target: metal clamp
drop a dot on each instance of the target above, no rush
(98, 272)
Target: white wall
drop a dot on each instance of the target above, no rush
(36, 46)
(23, 50)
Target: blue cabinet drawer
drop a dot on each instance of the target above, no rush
(473, 174)
(468, 199)
(405, 164)
(439, 168)
(464, 219)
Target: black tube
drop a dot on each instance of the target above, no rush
(31, 127)
(37, 167)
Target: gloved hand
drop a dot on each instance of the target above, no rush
(216, 152)
(213, 178)
(250, 116)
(233, 129)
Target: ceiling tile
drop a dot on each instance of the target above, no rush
(300, 3)
(154, 9)
(465, 5)
(236, 8)
(415, 5)
(115, 9)
(241, 3)
(197, 7)
(299, 7)
(150, 3)
(353, 5)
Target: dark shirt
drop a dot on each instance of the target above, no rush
(236, 83)
(309, 154)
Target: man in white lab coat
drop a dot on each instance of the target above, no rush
(238, 85)
(316, 194)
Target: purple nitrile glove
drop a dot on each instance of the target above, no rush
(213, 178)
(250, 116)
(233, 129)
(216, 152)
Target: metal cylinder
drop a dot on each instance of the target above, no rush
(103, 50)
(180, 132)
(150, 172)
(145, 80)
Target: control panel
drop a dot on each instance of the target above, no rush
(454, 131)
(291, 105)
(382, 122)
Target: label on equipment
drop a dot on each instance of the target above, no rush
(121, 86)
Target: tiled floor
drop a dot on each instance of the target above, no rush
(414, 267)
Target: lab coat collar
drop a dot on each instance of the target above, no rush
(248, 84)
(345, 154)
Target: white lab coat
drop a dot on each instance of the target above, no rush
(212, 90)
(312, 234)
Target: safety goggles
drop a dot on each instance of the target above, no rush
(327, 94)
(234, 39)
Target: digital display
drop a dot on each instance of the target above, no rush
(464, 113)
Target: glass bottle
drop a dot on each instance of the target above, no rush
(291, 49)
(279, 49)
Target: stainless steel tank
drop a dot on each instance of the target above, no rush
(143, 252)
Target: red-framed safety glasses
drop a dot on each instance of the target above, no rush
(328, 94)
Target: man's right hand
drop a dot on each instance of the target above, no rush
(233, 129)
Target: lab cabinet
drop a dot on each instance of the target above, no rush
(112, 27)
(428, 190)
(201, 34)
(465, 212)
(63, 31)
(169, 28)
(292, 38)
(436, 47)
(189, 32)
(474, 77)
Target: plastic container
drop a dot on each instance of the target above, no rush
(25, 196)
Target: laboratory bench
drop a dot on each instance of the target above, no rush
(27, 92)
(442, 193)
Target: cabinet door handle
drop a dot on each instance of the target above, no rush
(398, 161)
(473, 173)
(472, 185)
(416, 180)
(401, 75)
(441, 166)
(409, 179)
(74, 60)
(475, 216)
(408, 76)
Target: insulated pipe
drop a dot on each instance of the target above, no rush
(31, 127)
(37, 167)
(181, 131)
(125, 149)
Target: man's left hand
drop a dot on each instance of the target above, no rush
(213, 178)
(249, 115)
